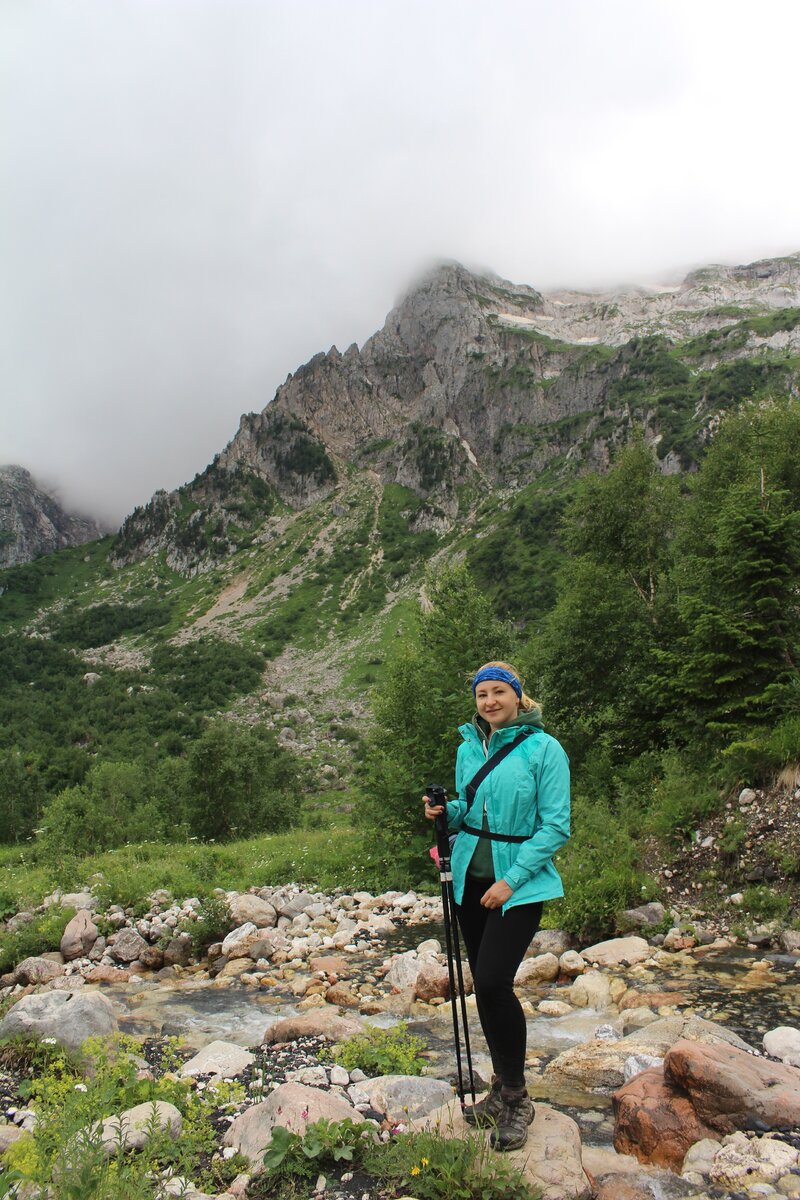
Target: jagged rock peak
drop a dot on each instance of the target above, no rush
(33, 522)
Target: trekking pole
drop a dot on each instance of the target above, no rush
(437, 796)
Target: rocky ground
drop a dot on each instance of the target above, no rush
(642, 1025)
(737, 872)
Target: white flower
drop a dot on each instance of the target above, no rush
(81, 1087)
(48, 1041)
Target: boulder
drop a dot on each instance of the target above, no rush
(571, 964)
(127, 946)
(237, 943)
(323, 1022)
(591, 990)
(69, 1017)
(405, 968)
(617, 952)
(730, 1089)
(598, 1065)
(550, 941)
(295, 904)
(550, 1159)
(784, 1043)
(293, 1105)
(250, 909)
(655, 1124)
(645, 917)
(8, 1135)
(133, 1128)
(218, 1058)
(432, 981)
(37, 970)
(79, 936)
(178, 951)
(543, 968)
(742, 1161)
(406, 1097)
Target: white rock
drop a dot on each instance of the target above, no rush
(637, 1063)
(132, 1128)
(617, 952)
(218, 1058)
(238, 939)
(592, 990)
(541, 969)
(784, 1043)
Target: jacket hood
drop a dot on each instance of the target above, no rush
(525, 720)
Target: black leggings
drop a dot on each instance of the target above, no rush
(496, 945)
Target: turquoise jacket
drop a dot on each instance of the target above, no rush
(527, 794)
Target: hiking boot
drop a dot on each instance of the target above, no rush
(486, 1112)
(511, 1130)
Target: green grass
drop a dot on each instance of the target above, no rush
(324, 858)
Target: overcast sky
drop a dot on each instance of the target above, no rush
(198, 195)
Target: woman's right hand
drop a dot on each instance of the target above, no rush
(431, 811)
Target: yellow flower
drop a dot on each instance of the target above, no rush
(415, 1170)
(424, 1162)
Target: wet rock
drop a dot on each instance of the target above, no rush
(666, 1031)
(343, 995)
(69, 1017)
(133, 1128)
(596, 1065)
(700, 1157)
(633, 999)
(152, 958)
(218, 1058)
(79, 936)
(292, 1105)
(37, 970)
(103, 973)
(325, 1023)
(622, 1189)
(637, 1018)
(675, 939)
(543, 968)
(591, 990)
(250, 909)
(554, 1008)
(654, 1123)
(406, 1097)
(329, 964)
(790, 941)
(617, 952)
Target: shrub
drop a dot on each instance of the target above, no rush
(39, 936)
(381, 1052)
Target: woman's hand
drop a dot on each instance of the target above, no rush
(431, 812)
(497, 895)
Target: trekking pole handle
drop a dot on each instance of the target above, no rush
(438, 795)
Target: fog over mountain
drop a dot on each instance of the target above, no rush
(196, 198)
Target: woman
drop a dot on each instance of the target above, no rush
(503, 871)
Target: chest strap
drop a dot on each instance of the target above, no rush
(489, 765)
(495, 837)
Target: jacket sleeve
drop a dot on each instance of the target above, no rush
(456, 809)
(552, 800)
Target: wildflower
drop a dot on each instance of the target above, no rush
(81, 1087)
(48, 1041)
(415, 1170)
(424, 1161)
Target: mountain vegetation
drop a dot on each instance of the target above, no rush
(605, 493)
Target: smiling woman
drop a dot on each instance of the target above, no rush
(516, 777)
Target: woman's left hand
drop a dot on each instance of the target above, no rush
(497, 895)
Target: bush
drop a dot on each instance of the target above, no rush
(380, 1052)
(39, 936)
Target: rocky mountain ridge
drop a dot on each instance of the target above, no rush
(33, 522)
(477, 382)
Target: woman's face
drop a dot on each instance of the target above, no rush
(497, 703)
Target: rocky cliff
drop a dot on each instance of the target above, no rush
(473, 379)
(32, 522)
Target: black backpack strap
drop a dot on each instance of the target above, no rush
(494, 837)
(490, 765)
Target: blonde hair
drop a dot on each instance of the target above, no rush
(527, 704)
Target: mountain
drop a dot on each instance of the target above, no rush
(474, 384)
(32, 521)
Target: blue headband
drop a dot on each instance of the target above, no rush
(501, 675)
